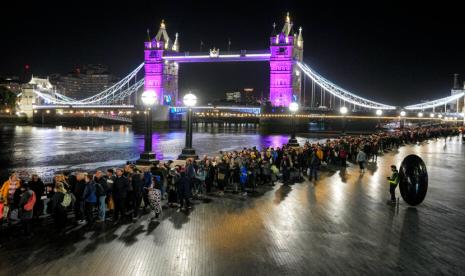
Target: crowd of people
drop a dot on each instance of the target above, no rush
(128, 192)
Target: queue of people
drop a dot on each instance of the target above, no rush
(127, 193)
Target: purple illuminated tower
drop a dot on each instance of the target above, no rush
(285, 77)
(161, 76)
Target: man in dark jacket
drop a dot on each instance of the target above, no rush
(184, 191)
(101, 189)
(26, 205)
(120, 191)
(38, 187)
(78, 193)
(138, 189)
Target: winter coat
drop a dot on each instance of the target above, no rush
(120, 187)
(4, 191)
(184, 187)
(102, 182)
(138, 183)
(57, 199)
(361, 156)
(90, 193)
(79, 189)
(24, 199)
(38, 187)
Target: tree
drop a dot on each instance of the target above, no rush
(7, 98)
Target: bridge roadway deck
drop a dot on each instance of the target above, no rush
(341, 224)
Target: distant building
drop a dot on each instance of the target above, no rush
(249, 97)
(459, 105)
(234, 97)
(244, 97)
(85, 81)
(12, 83)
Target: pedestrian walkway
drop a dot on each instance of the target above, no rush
(340, 224)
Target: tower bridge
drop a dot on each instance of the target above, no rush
(288, 75)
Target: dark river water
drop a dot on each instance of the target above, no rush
(44, 150)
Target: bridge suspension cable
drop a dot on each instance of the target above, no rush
(435, 103)
(341, 93)
(117, 91)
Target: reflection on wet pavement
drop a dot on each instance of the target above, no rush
(338, 225)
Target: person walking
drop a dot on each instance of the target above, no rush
(314, 166)
(361, 159)
(393, 182)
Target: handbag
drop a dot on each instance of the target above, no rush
(111, 204)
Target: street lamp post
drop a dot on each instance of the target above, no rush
(401, 119)
(343, 111)
(379, 112)
(293, 107)
(149, 98)
(190, 100)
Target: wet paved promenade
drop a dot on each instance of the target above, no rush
(339, 225)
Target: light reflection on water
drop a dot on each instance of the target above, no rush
(44, 150)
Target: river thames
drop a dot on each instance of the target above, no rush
(44, 150)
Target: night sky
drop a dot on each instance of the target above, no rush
(395, 53)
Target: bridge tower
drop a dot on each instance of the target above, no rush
(161, 76)
(285, 78)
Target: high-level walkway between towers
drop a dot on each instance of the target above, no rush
(339, 225)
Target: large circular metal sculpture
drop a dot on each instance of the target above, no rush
(413, 179)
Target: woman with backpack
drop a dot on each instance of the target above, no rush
(61, 201)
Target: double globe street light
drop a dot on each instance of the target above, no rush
(189, 100)
(149, 99)
(343, 110)
(293, 108)
(402, 119)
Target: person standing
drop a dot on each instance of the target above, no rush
(154, 196)
(138, 190)
(184, 191)
(210, 175)
(78, 192)
(26, 207)
(101, 190)
(38, 187)
(89, 198)
(110, 177)
(120, 191)
(221, 176)
(393, 182)
(61, 200)
(7, 193)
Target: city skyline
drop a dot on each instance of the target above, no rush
(391, 54)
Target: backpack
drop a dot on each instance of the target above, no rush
(67, 199)
(30, 202)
